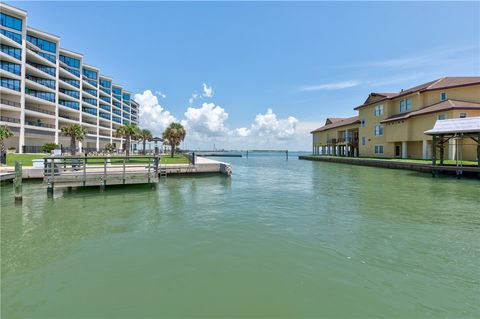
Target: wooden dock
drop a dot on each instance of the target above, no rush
(8, 176)
(71, 171)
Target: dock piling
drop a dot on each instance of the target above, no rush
(18, 182)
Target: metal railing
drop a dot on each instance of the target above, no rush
(9, 119)
(39, 124)
(38, 109)
(100, 170)
(10, 103)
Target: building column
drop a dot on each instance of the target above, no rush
(404, 149)
(452, 145)
(80, 146)
(424, 149)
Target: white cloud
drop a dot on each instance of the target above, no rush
(207, 90)
(206, 121)
(193, 98)
(151, 114)
(268, 125)
(161, 94)
(331, 86)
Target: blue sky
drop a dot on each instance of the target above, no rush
(306, 61)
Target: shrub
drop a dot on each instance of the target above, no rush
(12, 148)
(109, 148)
(48, 147)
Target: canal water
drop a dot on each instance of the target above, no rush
(278, 239)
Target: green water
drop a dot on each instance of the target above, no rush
(278, 239)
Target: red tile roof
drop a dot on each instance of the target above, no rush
(442, 83)
(341, 122)
(437, 107)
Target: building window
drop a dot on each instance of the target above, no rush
(11, 22)
(378, 130)
(74, 63)
(379, 149)
(442, 117)
(378, 110)
(363, 122)
(42, 44)
(443, 96)
(405, 105)
(363, 140)
(463, 115)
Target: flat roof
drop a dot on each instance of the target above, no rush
(459, 125)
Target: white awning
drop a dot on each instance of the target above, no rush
(452, 126)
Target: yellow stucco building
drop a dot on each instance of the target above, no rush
(393, 124)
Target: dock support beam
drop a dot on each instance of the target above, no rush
(18, 182)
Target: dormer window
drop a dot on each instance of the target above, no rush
(443, 96)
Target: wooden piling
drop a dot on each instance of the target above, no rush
(18, 182)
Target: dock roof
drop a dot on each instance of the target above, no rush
(458, 125)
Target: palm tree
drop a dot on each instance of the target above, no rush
(76, 132)
(4, 134)
(173, 135)
(144, 136)
(128, 132)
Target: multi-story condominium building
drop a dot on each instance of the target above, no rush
(393, 124)
(44, 87)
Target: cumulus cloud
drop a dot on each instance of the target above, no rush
(269, 126)
(207, 90)
(151, 114)
(207, 120)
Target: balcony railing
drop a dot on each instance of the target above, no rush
(91, 132)
(11, 67)
(104, 125)
(41, 95)
(72, 71)
(10, 103)
(66, 116)
(38, 123)
(74, 94)
(38, 109)
(12, 35)
(92, 82)
(89, 111)
(41, 81)
(43, 68)
(70, 104)
(9, 119)
(74, 83)
(89, 122)
(10, 84)
(14, 52)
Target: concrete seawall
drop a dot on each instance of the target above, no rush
(392, 164)
(202, 165)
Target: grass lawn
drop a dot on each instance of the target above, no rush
(26, 159)
(409, 160)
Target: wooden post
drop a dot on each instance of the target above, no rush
(434, 154)
(149, 165)
(104, 179)
(84, 170)
(247, 153)
(286, 153)
(124, 170)
(18, 182)
(478, 149)
(442, 149)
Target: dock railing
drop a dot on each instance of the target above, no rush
(100, 170)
